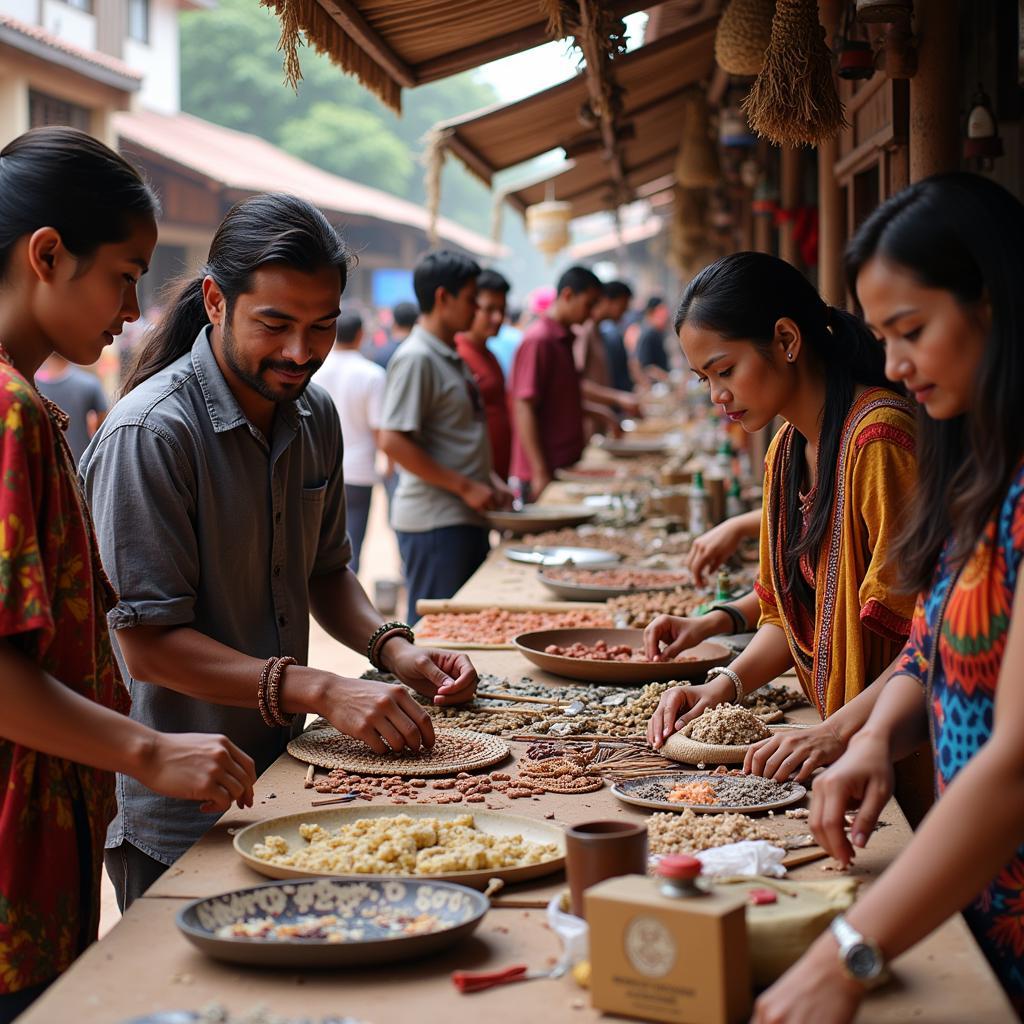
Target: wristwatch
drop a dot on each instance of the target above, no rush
(860, 957)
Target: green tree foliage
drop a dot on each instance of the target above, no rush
(231, 74)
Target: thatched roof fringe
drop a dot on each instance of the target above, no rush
(307, 18)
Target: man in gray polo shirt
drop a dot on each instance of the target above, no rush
(434, 426)
(218, 496)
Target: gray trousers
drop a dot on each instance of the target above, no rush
(132, 872)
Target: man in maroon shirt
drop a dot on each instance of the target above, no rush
(491, 294)
(548, 404)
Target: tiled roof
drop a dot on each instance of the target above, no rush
(248, 163)
(36, 34)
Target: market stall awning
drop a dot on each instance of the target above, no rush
(651, 77)
(650, 153)
(610, 242)
(243, 164)
(394, 44)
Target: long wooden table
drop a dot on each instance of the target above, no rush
(144, 964)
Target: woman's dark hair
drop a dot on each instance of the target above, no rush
(266, 229)
(742, 297)
(963, 234)
(442, 269)
(67, 180)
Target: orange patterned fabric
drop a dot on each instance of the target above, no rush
(53, 603)
(860, 619)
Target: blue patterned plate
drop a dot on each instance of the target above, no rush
(332, 922)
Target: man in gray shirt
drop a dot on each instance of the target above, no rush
(434, 426)
(79, 393)
(217, 490)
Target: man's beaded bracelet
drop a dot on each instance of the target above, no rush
(381, 635)
(274, 692)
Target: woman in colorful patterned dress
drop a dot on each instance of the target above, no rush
(938, 271)
(77, 230)
(756, 332)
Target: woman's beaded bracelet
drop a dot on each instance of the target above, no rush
(381, 635)
(736, 681)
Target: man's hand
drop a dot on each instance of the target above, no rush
(385, 717)
(447, 677)
(479, 497)
(503, 495)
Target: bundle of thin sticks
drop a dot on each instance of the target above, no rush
(616, 763)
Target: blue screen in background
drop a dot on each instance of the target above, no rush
(391, 286)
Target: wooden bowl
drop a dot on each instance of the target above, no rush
(698, 660)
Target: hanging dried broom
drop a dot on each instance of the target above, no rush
(435, 149)
(794, 101)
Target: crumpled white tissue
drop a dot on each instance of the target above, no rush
(750, 857)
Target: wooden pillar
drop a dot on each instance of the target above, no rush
(934, 90)
(831, 215)
(831, 218)
(789, 199)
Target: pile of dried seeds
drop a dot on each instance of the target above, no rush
(686, 831)
(728, 725)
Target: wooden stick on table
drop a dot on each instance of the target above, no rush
(515, 698)
(310, 772)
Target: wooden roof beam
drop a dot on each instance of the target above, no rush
(350, 20)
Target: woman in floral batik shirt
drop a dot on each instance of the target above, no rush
(77, 229)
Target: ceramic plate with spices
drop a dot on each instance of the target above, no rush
(541, 648)
(328, 922)
(713, 793)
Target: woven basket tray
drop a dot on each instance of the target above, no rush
(683, 748)
(456, 750)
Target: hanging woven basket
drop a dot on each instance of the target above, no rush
(742, 36)
(794, 101)
(547, 225)
(697, 161)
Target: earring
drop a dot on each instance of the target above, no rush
(789, 356)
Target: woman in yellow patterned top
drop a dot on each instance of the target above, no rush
(836, 478)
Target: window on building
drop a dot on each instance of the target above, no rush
(48, 110)
(138, 20)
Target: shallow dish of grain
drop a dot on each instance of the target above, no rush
(644, 793)
(541, 517)
(692, 664)
(493, 823)
(326, 922)
(602, 584)
(721, 735)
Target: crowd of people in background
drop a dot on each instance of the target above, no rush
(455, 403)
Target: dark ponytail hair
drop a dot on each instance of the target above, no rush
(963, 234)
(266, 229)
(741, 297)
(69, 181)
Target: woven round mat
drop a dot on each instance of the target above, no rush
(583, 784)
(455, 750)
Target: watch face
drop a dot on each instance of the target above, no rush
(863, 962)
